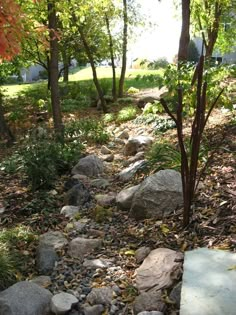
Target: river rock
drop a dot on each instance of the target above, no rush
(25, 298)
(79, 247)
(100, 296)
(136, 144)
(160, 269)
(42, 281)
(125, 197)
(97, 263)
(128, 173)
(79, 195)
(100, 183)
(70, 211)
(105, 150)
(90, 166)
(149, 301)
(142, 253)
(46, 258)
(93, 310)
(158, 195)
(106, 200)
(53, 239)
(62, 303)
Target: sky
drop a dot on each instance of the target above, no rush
(161, 40)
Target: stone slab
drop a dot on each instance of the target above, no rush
(209, 283)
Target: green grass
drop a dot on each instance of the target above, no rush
(85, 77)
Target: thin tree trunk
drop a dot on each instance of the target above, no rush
(114, 90)
(94, 70)
(124, 50)
(53, 70)
(4, 129)
(184, 36)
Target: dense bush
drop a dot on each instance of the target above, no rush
(127, 113)
(159, 63)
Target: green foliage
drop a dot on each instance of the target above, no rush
(159, 63)
(193, 54)
(70, 105)
(109, 117)
(132, 90)
(153, 108)
(45, 159)
(101, 214)
(150, 78)
(12, 164)
(7, 268)
(127, 113)
(87, 130)
(164, 156)
(158, 123)
(13, 236)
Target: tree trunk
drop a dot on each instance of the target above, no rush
(5, 132)
(114, 90)
(184, 36)
(95, 77)
(66, 65)
(53, 70)
(124, 49)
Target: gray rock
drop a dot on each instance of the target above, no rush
(106, 200)
(25, 298)
(123, 135)
(109, 158)
(42, 281)
(142, 253)
(93, 310)
(63, 302)
(105, 150)
(128, 173)
(136, 144)
(90, 166)
(149, 301)
(137, 157)
(175, 294)
(100, 183)
(70, 211)
(54, 239)
(77, 196)
(158, 195)
(79, 247)
(81, 224)
(125, 197)
(151, 313)
(46, 258)
(100, 296)
(160, 270)
(97, 263)
(119, 141)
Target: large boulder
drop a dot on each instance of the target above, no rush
(90, 166)
(78, 196)
(125, 197)
(138, 143)
(79, 247)
(160, 269)
(158, 195)
(25, 298)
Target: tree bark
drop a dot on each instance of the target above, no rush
(5, 132)
(124, 50)
(114, 90)
(94, 71)
(184, 36)
(53, 70)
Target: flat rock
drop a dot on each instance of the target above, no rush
(157, 196)
(148, 301)
(97, 263)
(25, 298)
(105, 150)
(100, 296)
(63, 302)
(79, 247)
(93, 310)
(80, 224)
(128, 173)
(125, 197)
(54, 239)
(138, 156)
(90, 166)
(160, 269)
(46, 258)
(70, 211)
(141, 253)
(209, 283)
(42, 281)
(100, 183)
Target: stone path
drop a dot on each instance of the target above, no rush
(209, 283)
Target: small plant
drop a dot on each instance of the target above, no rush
(101, 214)
(109, 118)
(163, 124)
(13, 164)
(126, 114)
(153, 108)
(132, 90)
(7, 268)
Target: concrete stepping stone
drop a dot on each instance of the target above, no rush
(209, 283)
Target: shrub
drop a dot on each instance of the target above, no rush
(109, 118)
(87, 130)
(7, 268)
(132, 90)
(157, 64)
(127, 113)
